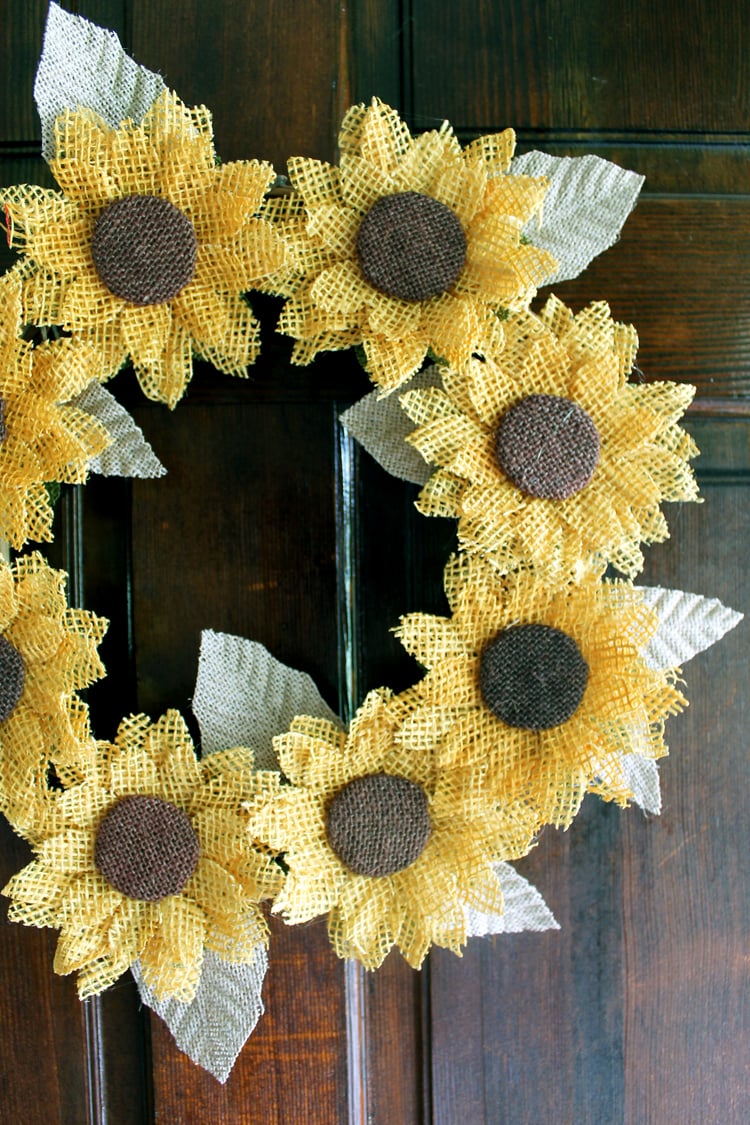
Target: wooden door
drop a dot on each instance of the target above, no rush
(271, 525)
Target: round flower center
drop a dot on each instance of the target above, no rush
(144, 249)
(547, 446)
(411, 246)
(12, 676)
(146, 848)
(533, 676)
(379, 824)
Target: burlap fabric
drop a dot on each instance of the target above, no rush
(643, 459)
(217, 908)
(244, 697)
(411, 246)
(378, 824)
(146, 847)
(12, 676)
(688, 624)
(144, 249)
(523, 908)
(421, 905)
(170, 156)
(547, 446)
(381, 426)
(213, 1028)
(332, 304)
(46, 437)
(129, 454)
(58, 648)
(532, 676)
(82, 64)
(622, 710)
(587, 202)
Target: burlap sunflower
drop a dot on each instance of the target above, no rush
(374, 835)
(410, 244)
(148, 858)
(547, 687)
(547, 454)
(48, 652)
(43, 437)
(150, 247)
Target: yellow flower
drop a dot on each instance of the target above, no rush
(376, 836)
(547, 687)
(547, 454)
(148, 250)
(47, 653)
(43, 437)
(410, 244)
(148, 857)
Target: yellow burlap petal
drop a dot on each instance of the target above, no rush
(256, 252)
(335, 226)
(171, 961)
(223, 327)
(495, 151)
(427, 156)
(218, 201)
(391, 362)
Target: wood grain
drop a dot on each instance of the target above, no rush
(562, 65)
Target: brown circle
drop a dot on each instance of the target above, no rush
(146, 848)
(378, 824)
(533, 676)
(144, 249)
(411, 246)
(12, 678)
(547, 446)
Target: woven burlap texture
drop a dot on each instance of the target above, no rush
(169, 155)
(213, 1028)
(103, 931)
(425, 903)
(330, 303)
(58, 647)
(643, 458)
(586, 204)
(128, 454)
(523, 908)
(688, 624)
(622, 711)
(46, 437)
(82, 64)
(244, 697)
(381, 426)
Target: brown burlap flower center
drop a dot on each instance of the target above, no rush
(533, 676)
(12, 677)
(378, 824)
(547, 446)
(146, 848)
(144, 249)
(411, 246)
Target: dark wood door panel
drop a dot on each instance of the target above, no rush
(633, 1010)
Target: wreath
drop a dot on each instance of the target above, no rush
(552, 676)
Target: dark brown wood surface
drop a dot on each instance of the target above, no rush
(637, 1009)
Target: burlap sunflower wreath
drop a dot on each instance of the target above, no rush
(549, 679)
